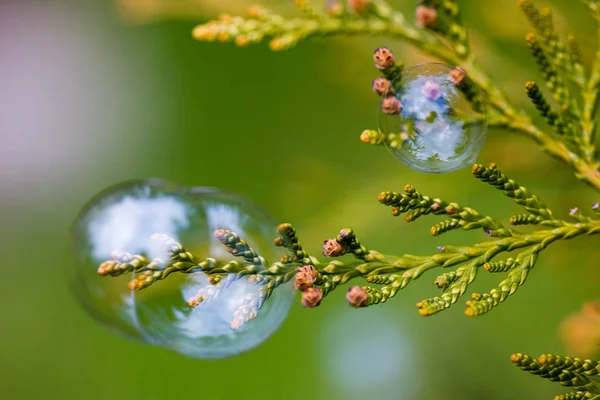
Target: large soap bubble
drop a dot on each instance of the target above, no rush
(158, 263)
(434, 118)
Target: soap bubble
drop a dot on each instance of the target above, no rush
(139, 250)
(434, 118)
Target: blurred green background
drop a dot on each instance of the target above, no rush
(94, 92)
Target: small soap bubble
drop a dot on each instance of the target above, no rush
(434, 118)
(136, 254)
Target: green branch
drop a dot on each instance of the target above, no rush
(580, 375)
(316, 278)
(439, 33)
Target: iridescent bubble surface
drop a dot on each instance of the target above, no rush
(434, 118)
(139, 251)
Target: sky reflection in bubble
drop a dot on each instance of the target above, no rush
(437, 128)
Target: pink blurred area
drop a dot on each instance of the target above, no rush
(63, 91)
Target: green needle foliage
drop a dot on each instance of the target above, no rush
(569, 136)
(317, 278)
(580, 375)
(439, 32)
